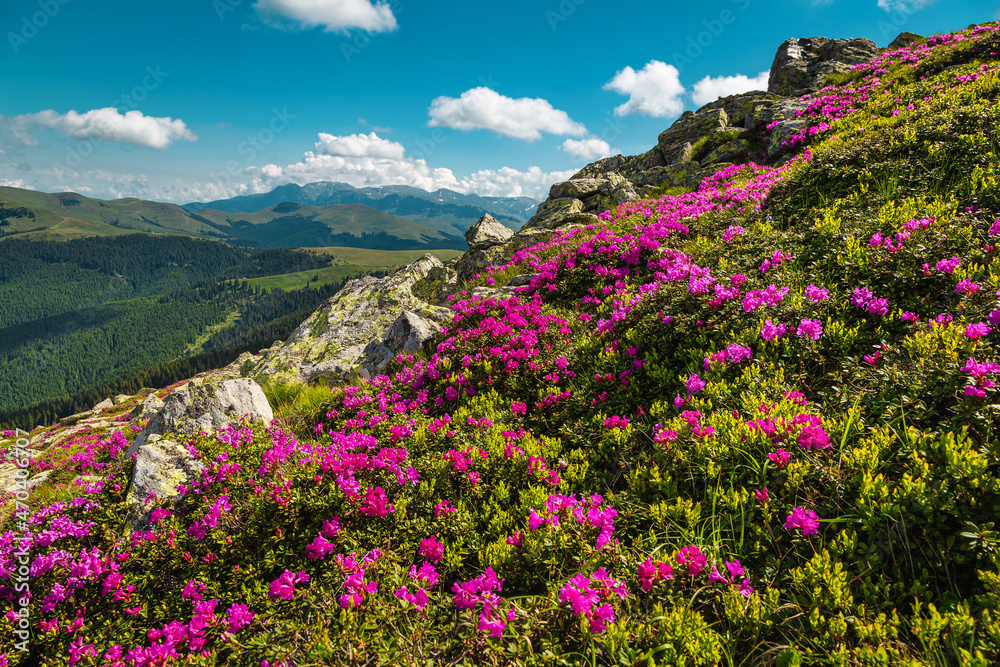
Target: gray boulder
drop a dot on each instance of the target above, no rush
(676, 142)
(802, 65)
(147, 409)
(331, 343)
(160, 465)
(407, 335)
(486, 233)
(198, 406)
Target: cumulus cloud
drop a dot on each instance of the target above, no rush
(360, 160)
(370, 161)
(106, 124)
(710, 88)
(655, 90)
(332, 15)
(485, 109)
(359, 145)
(588, 148)
(904, 6)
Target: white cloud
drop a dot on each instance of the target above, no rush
(588, 148)
(369, 161)
(484, 109)
(365, 161)
(655, 90)
(103, 125)
(904, 6)
(333, 15)
(359, 145)
(710, 89)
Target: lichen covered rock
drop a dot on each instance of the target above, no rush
(331, 343)
(160, 465)
(199, 406)
(802, 65)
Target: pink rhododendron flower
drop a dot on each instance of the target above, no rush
(978, 330)
(432, 549)
(695, 383)
(284, 586)
(693, 558)
(810, 328)
(817, 294)
(771, 331)
(780, 458)
(948, 265)
(733, 232)
(804, 520)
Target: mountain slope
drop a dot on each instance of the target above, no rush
(30, 214)
(753, 423)
(356, 225)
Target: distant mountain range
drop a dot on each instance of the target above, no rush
(445, 210)
(315, 215)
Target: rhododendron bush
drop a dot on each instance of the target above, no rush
(754, 423)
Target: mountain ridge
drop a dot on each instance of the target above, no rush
(460, 210)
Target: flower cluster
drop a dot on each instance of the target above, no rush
(591, 597)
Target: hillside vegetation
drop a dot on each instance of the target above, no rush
(753, 424)
(78, 315)
(30, 215)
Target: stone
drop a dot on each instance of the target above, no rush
(741, 109)
(160, 465)
(331, 343)
(802, 65)
(147, 409)
(561, 221)
(103, 405)
(407, 335)
(675, 143)
(733, 151)
(121, 398)
(78, 417)
(579, 188)
(518, 281)
(904, 40)
(629, 167)
(486, 233)
(559, 206)
(199, 406)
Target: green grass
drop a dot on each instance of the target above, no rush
(383, 259)
(302, 279)
(197, 346)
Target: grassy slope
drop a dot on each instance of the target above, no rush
(383, 259)
(354, 219)
(69, 215)
(347, 262)
(126, 214)
(871, 425)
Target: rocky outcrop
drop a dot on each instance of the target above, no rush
(577, 201)
(905, 39)
(802, 65)
(160, 465)
(147, 409)
(332, 342)
(486, 240)
(731, 130)
(200, 406)
(407, 335)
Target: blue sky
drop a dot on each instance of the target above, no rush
(205, 99)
